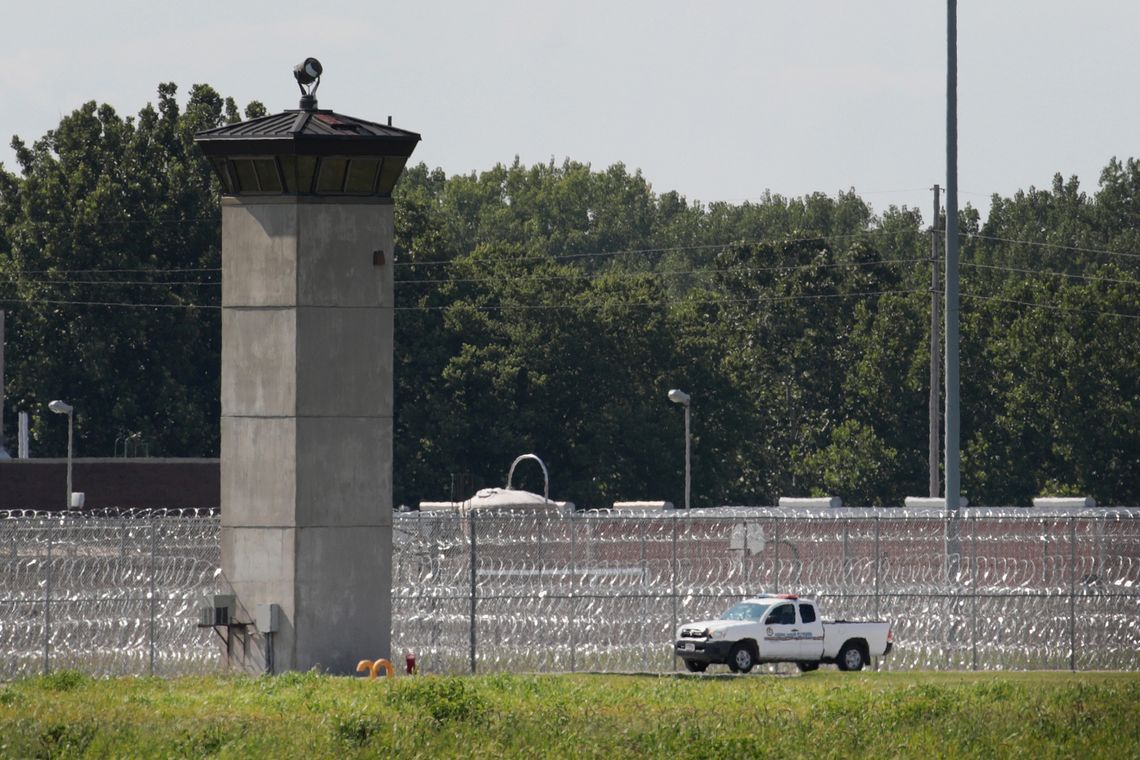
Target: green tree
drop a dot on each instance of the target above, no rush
(1054, 395)
(550, 308)
(1049, 390)
(110, 277)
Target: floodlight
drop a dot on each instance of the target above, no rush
(308, 71)
(60, 407)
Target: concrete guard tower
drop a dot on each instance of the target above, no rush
(306, 390)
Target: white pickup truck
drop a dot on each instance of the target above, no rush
(779, 628)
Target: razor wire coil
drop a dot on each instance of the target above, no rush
(116, 592)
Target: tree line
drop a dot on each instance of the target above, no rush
(550, 308)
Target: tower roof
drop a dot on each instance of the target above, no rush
(307, 132)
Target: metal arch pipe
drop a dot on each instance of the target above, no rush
(545, 474)
(373, 668)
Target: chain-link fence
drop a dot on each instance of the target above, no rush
(117, 593)
(106, 593)
(992, 589)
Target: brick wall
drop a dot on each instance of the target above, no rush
(123, 483)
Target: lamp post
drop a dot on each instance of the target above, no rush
(62, 407)
(678, 396)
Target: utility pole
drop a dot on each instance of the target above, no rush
(935, 453)
(953, 485)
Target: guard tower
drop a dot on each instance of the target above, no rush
(306, 390)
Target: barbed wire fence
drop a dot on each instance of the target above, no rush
(117, 593)
(605, 591)
(106, 592)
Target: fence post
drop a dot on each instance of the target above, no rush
(47, 603)
(1072, 593)
(472, 523)
(878, 569)
(673, 630)
(153, 586)
(573, 617)
(845, 581)
(776, 534)
(644, 601)
(974, 572)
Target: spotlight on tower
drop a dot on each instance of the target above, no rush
(308, 73)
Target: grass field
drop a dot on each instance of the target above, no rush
(824, 714)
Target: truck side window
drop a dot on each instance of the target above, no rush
(807, 613)
(785, 614)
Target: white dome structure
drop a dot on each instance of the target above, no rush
(510, 498)
(507, 498)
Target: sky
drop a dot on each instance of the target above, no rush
(718, 100)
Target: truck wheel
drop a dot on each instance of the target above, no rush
(740, 658)
(850, 657)
(807, 667)
(694, 666)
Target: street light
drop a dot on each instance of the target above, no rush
(678, 396)
(62, 407)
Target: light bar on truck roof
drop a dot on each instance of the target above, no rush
(766, 595)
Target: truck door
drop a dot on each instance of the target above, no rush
(811, 632)
(781, 634)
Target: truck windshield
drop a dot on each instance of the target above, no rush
(745, 611)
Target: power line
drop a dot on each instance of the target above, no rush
(139, 270)
(118, 222)
(577, 276)
(1095, 312)
(657, 249)
(124, 283)
(598, 306)
(535, 307)
(667, 273)
(666, 301)
(1086, 278)
(613, 253)
(1053, 245)
(526, 278)
(563, 257)
(543, 258)
(53, 302)
(603, 254)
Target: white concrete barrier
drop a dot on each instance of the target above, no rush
(643, 505)
(830, 502)
(933, 501)
(1064, 501)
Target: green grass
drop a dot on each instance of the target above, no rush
(820, 715)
